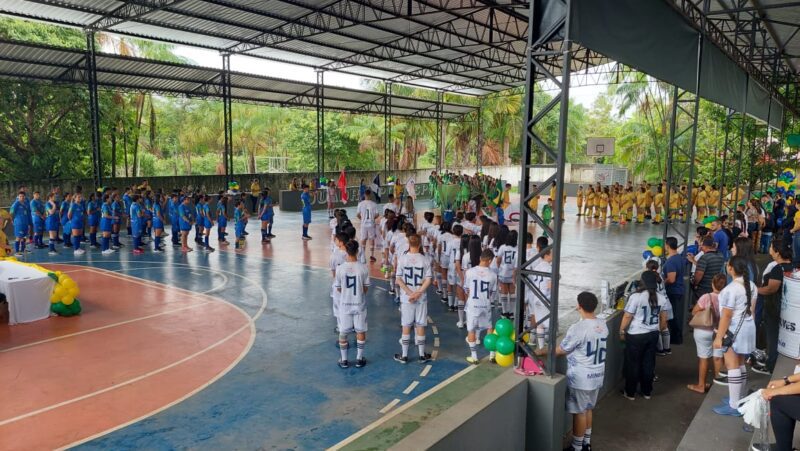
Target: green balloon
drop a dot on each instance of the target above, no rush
(74, 308)
(58, 308)
(652, 242)
(503, 327)
(490, 342)
(505, 345)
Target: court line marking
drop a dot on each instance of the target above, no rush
(400, 410)
(436, 342)
(435, 330)
(389, 406)
(410, 387)
(245, 351)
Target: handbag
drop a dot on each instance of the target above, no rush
(727, 340)
(703, 318)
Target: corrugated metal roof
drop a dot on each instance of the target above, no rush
(28, 61)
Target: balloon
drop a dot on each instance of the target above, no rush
(58, 290)
(652, 242)
(68, 283)
(504, 359)
(54, 298)
(58, 308)
(505, 345)
(67, 300)
(75, 291)
(657, 251)
(503, 327)
(647, 254)
(75, 308)
(526, 337)
(490, 342)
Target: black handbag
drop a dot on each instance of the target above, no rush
(727, 340)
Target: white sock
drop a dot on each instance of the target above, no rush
(473, 349)
(577, 443)
(421, 345)
(343, 349)
(587, 436)
(360, 349)
(503, 302)
(734, 386)
(665, 339)
(451, 298)
(462, 315)
(541, 336)
(405, 340)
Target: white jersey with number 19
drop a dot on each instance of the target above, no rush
(480, 285)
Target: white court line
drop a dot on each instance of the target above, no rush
(402, 409)
(434, 354)
(425, 370)
(212, 290)
(436, 342)
(435, 330)
(389, 406)
(410, 387)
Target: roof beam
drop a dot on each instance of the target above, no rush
(130, 10)
(747, 9)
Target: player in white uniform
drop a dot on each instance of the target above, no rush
(424, 231)
(506, 269)
(367, 212)
(585, 348)
(414, 276)
(401, 246)
(536, 309)
(453, 255)
(480, 285)
(352, 283)
(442, 247)
(338, 256)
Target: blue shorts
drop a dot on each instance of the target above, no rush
(306, 216)
(52, 224)
(106, 225)
(158, 224)
(240, 230)
(500, 216)
(38, 225)
(20, 231)
(268, 217)
(94, 221)
(185, 226)
(77, 225)
(222, 221)
(207, 223)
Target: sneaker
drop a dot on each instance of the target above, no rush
(628, 397)
(655, 378)
(391, 291)
(460, 325)
(661, 353)
(269, 235)
(647, 396)
(79, 252)
(306, 238)
(361, 363)
(401, 359)
(668, 351)
(721, 380)
(138, 252)
(725, 409)
(18, 254)
(492, 360)
(209, 249)
(425, 358)
(472, 360)
(444, 300)
(95, 246)
(763, 447)
(52, 253)
(158, 250)
(760, 369)
(453, 309)
(108, 252)
(586, 447)
(343, 364)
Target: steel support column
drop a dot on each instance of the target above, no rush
(94, 107)
(720, 181)
(440, 145)
(537, 54)
(227, 113)
(741, 147)
(387, 128)
(479, 149)
(320, 99)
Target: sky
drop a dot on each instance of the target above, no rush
(584, 95)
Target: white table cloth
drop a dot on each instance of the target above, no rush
(27, 291)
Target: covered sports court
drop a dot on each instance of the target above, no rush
(234, 350)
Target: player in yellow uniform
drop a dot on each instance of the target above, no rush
(613, 199)
(658, 203)
(590, 198)
(641, 203)
(713, 200)
(702, 203)
(627, 205)
(674, 202)
(579, 199)
(603, 204)
(5, 218)
(534, 202)
(648, 209)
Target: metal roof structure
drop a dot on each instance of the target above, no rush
(60, 65)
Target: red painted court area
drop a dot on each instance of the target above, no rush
(68, 379)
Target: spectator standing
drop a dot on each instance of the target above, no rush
(255, 192)
(770, 293)
(674, 272)
(709, 265)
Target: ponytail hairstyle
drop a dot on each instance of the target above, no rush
(474, 248)
(502, 236)
(740, 268)
(351, 247)
(464, 244)
(446, 227)
(784, 251)
(513, 237)
(649, 278)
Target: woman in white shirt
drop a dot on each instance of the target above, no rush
(735, 302)
(642, 323)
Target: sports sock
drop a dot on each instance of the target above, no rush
(461, 313)
(405, 340)
(263, 234)
(66, 238)
(473, 349)
(76, 242)
(735, 384)
(504, 302)
(129, 231)
(205, 241)
(587, 436)
(17, 246)
(115, 239)
(343, 347)
(52, 245)
(93, 239)
(269, 229)
(360, 349)
(665, 338)
(421, 345)
(451, 299)
(22, 245)
(577, 443)
(104, 246)
(541, 335)
(305, 230)
(157, 242)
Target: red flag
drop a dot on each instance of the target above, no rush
(343, 186)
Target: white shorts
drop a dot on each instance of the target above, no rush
(477, 322)
(502, 279)
(704, 341)
(414, 315)
(349, 323)
(668, 309)
(579, 401)
(367, 232)
(452, 276)
(444, 263)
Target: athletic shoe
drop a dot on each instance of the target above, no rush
(492, 360)
(763, 447)
(307, 238)
(95, 245)
(425, 358)
(760, 369)
(372, 259)
(80, 252)
(472, 360)
(453, 309)
(361, 363)
(158, 250)
(628, 397)
(668, 351)
(586, 447)
(647, 396)
(661, 353)
(52, 253)
(460, 325)
(725, 409)
(343, 364)
(401, 359)
(209, 249)
(269, 235)
(41, 246)
(721, 380)
(444, 300)
(391, 291)
(138, 252)
(18, 254)
(246, 233)
(108, 252)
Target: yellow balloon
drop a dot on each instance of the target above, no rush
(68, 283)
(58, 291)
(54, 299)
(504, 359)
(526, 337)
(67, 300)
(75, 291)
(657, 251)
(59, 273)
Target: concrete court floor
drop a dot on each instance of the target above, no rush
(287, 393)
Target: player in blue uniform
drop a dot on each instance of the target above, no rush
(185, 221)
(21, 219)
(118, 213)
(267, 215)
(52, 223)
(306, 198)
(172, 207)
(222, 217)
(38, 218)
(93, 218)
(199, 221)
(240, 221)
(75, 214)
(147, 224)
(127, 201)
(66, 229)
(208, 223)
(107, 218)
(137, 220)
(158, 223)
